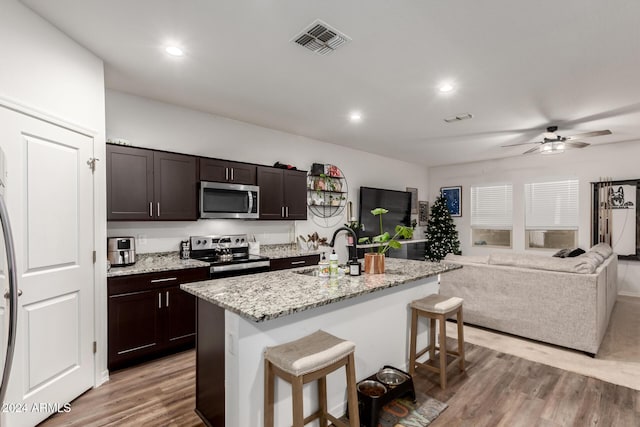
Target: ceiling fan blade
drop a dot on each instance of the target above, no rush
(533, 150)
(521, 143)
(576, 144)
(588, 134)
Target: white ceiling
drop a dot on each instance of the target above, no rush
(518, 67)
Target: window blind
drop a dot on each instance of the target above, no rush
(552, 205)
(492, 206)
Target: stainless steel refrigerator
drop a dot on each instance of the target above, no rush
(11, 293)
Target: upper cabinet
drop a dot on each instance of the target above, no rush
(282, 193)
(147, 185)
(224, 171)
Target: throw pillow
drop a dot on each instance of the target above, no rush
(574, 252)
(562, 253)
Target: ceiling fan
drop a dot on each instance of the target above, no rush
(553, 143)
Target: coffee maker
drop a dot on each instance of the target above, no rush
(121, 251)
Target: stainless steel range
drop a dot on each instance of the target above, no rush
(227, 255)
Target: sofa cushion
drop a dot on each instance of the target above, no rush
(603, 249)
(543, 262)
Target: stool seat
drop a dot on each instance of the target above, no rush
(437, 303)
(315, 351)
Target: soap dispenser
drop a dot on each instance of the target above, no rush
(323, 266)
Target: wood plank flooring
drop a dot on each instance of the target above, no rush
(497, 390)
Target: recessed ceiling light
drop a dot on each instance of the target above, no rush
(445, 87)
(174, 51)
(355, 116)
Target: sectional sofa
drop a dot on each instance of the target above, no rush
(561, 301)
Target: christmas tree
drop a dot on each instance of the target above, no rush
(441, 234)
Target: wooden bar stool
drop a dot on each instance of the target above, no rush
(304, 360)
(436, 307)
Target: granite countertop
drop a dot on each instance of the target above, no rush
(265, 296)
(156, 262)
(288, 250)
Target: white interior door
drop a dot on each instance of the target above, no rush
(49, 195)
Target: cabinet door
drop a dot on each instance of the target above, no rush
(225, 171)
(214, 170)
(135, 325)
(295, 194)
(270, 181)
(180, 311)
(129, 183)
(175, 186)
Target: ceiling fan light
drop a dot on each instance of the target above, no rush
(552, 148)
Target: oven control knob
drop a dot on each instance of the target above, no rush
(237, 241)
(198, 242)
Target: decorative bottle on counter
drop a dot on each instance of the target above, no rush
(333, 264)
(323, 266)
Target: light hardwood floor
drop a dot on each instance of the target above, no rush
(497, 390)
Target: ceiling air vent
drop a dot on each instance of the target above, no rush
(465, 116)
(321, 38)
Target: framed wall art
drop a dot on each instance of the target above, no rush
(453, 199)
(423, 212)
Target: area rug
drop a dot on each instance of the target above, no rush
(405, 413)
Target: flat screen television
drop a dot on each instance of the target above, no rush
(398, 203)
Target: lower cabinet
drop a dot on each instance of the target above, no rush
(149, 315)
(293, 262)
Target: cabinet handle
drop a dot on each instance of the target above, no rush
(287, 210)
(282, 211)
(158, 209)
(231, 174)
(159, 300)
(151, 209)
(168, 279)
(167, 298)
(226, 174)
(298, 262)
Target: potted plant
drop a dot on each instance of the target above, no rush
(374, 260)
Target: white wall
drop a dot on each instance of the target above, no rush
(46, 74)
(619, 161)
(151, 124)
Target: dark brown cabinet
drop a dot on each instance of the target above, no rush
(149, 315)
(148, 185)
(225, 171)
(293, 262)
(282, 193)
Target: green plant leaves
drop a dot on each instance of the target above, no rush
(379, 211)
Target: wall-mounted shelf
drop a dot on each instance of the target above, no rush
(326, 192)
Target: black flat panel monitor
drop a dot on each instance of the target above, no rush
(398, 203)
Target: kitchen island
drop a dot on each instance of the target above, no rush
(239, 316)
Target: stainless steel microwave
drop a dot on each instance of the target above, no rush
(222, 200)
